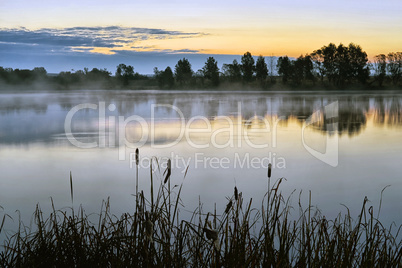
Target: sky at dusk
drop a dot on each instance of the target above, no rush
(65, 35)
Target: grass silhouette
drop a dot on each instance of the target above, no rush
(242, 236)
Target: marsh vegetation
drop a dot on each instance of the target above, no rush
(242, 234)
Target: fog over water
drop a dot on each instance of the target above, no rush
(225, 139)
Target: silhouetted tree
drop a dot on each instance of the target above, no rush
(380, 68)
(119, 70)
(3, 74)
(66, 79)
(343, 64)
(298, 71)
(329, 54)
(302, 70)
(261, 69)
(233, 71)
(168, 77)
(317, 59)
(285, 68)
(395, 66)
(183, 71)
(165, 78)
(308, 68)
(39, 73)
(23, 75)
(125, 73)
(247, 66)
(98, 74)
(158, 76)
(343, 70)
(358, 63)
(211, 71)
(80, 76)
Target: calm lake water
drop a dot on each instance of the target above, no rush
(340, 146)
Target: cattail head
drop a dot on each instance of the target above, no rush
(137, 156)
(236, 193)
(71, 189)
(168, 171)
(269, 170)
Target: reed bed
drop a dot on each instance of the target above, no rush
(155, 235)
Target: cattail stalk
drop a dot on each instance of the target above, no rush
(137, 161)
(269, 184)
(71, 188)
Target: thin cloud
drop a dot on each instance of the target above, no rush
(89, 37)
(103, 47)
(154, 49)
(186, 51)
(49, 38)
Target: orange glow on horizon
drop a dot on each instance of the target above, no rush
(269, 41)
(102, 50)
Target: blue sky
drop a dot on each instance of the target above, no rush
(65, 35)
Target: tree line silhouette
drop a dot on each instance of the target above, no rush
(337, 66)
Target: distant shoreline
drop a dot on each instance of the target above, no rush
(226, 88)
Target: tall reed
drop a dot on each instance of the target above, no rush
(241, 235)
